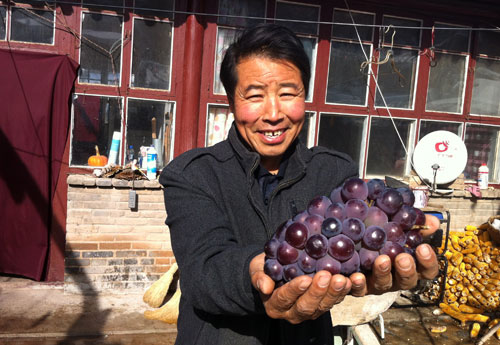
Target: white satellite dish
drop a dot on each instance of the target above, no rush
(445, 151)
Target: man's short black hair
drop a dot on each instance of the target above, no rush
(264, 40)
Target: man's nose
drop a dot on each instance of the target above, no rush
(273, 109)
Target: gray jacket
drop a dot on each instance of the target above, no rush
(218, 222)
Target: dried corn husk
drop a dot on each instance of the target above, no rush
(156, 293)
(167, 313)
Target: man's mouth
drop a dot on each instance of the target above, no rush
(273, 134)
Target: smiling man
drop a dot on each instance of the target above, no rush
(224, 202)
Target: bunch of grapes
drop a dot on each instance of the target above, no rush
(345, 232)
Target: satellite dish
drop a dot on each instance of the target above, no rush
(445, 151)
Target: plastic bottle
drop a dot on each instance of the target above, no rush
(130, 154)
(152, 158)
(115, 145)
(482, 180)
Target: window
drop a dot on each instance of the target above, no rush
(101, 49)
(154, 8)
(483, 143)
(3, 22)
(219, 122)
(225, 36)
(242, 13)
(307, 132)
(427, 127)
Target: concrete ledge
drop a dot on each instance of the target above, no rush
(76, 180)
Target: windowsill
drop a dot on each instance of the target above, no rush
(92, 181)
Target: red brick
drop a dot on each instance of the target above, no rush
(146, 245)
(158, 253)
(165, 261)
(81, 246)
(114, 245)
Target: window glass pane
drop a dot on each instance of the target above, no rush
(386, 155)
(151, 54)
(346, 83)
(486, 88)
(30, 25)
(488, 43)
(306, 134)
(343, 133)
(427, 127)
(3, 22)
(348, 31)
(285, 10)
(150, 123)
(446, 83)
(310, 46)
(95, 118)
(225, 37)
(219, 122)
(100, 53)
(404, 37)
(397, 79)
(455, 40)
(243, 8)
(482, 144)
(158, 8)
(113, 5)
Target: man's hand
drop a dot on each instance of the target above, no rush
(303, 298)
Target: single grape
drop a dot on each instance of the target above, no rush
(408, 196)
(271, 248)
(413, 238)
(329, 264)
(318, 205)
(337, 210)
(296, 235)
(340, 247)
(350, 266)
(317, 246)
(390, 201)
(287, 254)
(375, 188)
(313, 223)
(291, 271)
(406, 217)
(336, 195)
(367, 258)
(420, 217)
(273, 269)
(374, 237)
(354, 188)
(331, 227)
(307, 263)
(375, 216)
(394, 233)
(353, 228)
(391, 249)
(300, 217)
(356, 208)
(280, 232)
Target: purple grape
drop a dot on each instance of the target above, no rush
(394, 233)
(341, 247)
(375, 216)
(406, 217)
(408, 196)
(273, 269)
(337, 210)
(313, 223)
(353, 228)
(374, 237)
(307, 263)
(336, 195)
(356, 208)
(391, 249)
(329, 264)
(354, 188)
(350, 266)
(367, 258)
(291, 271)
(287, 254)
(318, 205)
(300, 217)
(317, 246)
(280, 232)
(420, 217)
(375, 188)
(271, 248)
(331, 227)
(410, 251)
(296, 235)
(413, 238)
(390, 201)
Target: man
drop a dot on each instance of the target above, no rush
(224, 202)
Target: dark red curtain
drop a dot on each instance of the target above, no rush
(35, 91)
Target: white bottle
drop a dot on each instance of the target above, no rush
(115, 146)
(152, 158)
(482, 180)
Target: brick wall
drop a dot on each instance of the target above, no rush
(109, 245)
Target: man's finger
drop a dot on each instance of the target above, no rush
(339, 287)
(358, 282)
(405, 271)
(381, 277)
(307, 304)
(428, 266)
(286, 296)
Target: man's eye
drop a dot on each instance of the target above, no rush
(254, 97)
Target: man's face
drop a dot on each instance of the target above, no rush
(269, 106)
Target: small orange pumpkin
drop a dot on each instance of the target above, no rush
(97, 160)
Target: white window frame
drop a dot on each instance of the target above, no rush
(8, 32)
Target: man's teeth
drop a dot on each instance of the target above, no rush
(273, 134)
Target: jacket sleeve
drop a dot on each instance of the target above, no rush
(213, 267)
